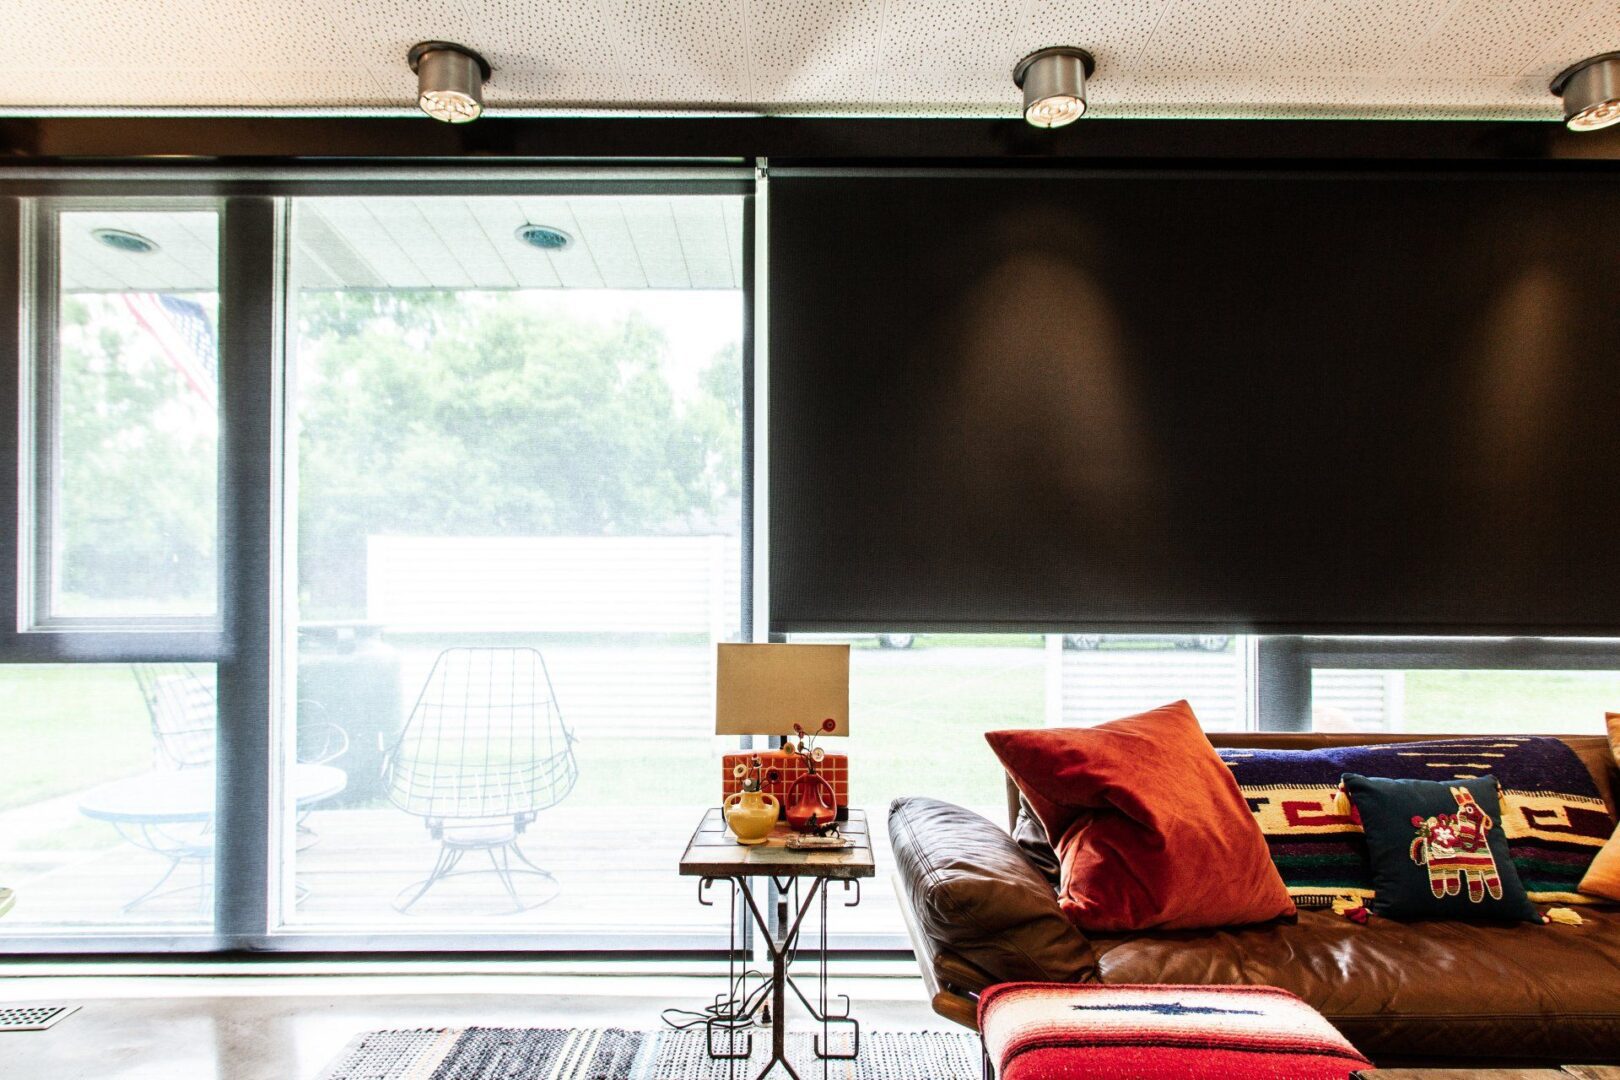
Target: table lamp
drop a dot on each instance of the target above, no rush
(794, 690)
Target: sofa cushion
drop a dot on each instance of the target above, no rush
(975, 894)
(1437, 850)
(1603, 876)
(1413, 991)
(1150, 828)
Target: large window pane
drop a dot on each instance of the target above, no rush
(518, 475)
(106, 809)
(1461, 702)
(128, 494)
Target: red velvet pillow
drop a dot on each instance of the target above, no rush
(1148, 823)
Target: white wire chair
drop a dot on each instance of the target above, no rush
(484, 751)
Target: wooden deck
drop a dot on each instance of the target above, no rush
(616, 872)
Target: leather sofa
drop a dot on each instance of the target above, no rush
(981, 911)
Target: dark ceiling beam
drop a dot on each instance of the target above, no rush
(785, 140)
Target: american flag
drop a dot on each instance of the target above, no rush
(182, 329)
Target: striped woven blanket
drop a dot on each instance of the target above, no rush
(1553, 816)
(1053, 1031)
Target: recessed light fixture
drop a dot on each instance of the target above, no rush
(449, 80)
(543, 237)
(1054, 85)
(1591, 92)
(131, 243)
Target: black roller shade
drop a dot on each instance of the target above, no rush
(1374, 402)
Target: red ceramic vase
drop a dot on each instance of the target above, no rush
(811, 804)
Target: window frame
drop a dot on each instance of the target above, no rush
(245, 641)
(41, 364)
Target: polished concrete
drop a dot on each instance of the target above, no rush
(287, 1027)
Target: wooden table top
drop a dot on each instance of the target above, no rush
(714, 852)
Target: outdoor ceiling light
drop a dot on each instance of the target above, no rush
(132, 243)
(449, 80)
(1054, 85)
(544, 237)
(1591, 92)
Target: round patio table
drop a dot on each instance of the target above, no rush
(171, 813)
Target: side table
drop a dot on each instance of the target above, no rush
(712, 855)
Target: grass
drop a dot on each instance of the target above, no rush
(1546, 702)
(67, 727)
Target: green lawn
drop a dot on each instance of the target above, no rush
(1550, 702)
(66, 727)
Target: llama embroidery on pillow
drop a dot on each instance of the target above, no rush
(1456, 848)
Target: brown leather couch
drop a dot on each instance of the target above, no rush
(981, 911)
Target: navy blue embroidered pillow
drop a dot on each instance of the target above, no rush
(1438, 850)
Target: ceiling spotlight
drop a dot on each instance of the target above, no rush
(1054, 85)
(131, 243)
(1591, 92)
(449, 80)
(544, 237)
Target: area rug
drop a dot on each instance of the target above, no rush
(479, 1053)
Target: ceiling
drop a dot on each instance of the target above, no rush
(1239, 58)
(619, 242)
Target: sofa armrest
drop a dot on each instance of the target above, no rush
(973, 896)
(943, 974)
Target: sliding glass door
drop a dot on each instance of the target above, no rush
(514, 487)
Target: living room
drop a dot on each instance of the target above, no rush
(887, 540)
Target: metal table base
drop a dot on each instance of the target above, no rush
(781, 944)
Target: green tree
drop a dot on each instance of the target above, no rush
(135, 475)
(486, 418)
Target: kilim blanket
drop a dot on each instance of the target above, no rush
(1052, 1031)
(1552, 813)
(480, 1053)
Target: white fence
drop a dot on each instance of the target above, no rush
(1104, 684)
(649, 587)
(555, 584)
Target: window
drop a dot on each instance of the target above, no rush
(126, 389)
(1453, 701)
(1437, 685)
(517, 494)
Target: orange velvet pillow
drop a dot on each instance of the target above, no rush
(1148, 823)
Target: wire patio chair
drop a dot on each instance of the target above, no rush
(181, 706)
(484, 751)
(183, 710)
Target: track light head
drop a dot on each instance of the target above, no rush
(449, 80)
(1591, 92)
(1054, 85)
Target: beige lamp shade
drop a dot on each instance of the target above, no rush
(766, 689)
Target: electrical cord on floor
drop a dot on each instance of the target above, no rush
(736, 1011)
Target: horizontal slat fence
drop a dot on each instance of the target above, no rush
(649, 593)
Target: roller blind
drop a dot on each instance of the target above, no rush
(1358, 402)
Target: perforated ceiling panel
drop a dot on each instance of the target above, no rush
(1389, 58)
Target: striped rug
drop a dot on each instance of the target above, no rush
(479, 1053)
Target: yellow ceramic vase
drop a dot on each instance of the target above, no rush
(752, 816)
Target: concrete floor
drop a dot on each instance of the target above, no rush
(287, 1027)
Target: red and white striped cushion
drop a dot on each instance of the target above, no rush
(1056, 1031)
